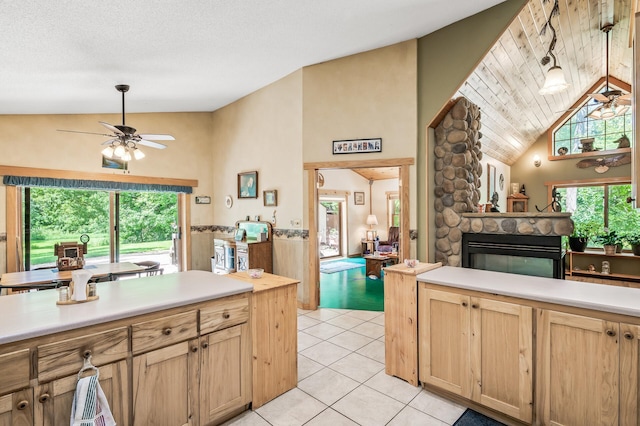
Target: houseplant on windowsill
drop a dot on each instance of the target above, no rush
(579, 239)
(634, 240)
(610, 241)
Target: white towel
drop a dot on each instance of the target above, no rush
(90, 406)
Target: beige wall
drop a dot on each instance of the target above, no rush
(524, 172)
(445, 59)
(278, 128)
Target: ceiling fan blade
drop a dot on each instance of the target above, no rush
(112, 128)
(157, 137)
(625, 96)
(583, 164)
(598, 97)
(623, 101)
(87, 133)
(151, 144)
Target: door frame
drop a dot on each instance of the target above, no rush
(312, 169)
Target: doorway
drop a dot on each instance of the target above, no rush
(331, 227)
(313, 181)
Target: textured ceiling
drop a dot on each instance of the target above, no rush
(505, 84)
(66, 56)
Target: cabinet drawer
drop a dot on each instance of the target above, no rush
(14, 370)
(66, 357)
(163, 331)
(224, 314)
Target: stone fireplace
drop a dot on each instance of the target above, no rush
(458, 174)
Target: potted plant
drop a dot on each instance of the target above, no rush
(610, 241)
(579, 239)
(634, 240)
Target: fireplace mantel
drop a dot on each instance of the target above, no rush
(544, 224)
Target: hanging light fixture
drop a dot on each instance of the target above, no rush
(611, 108)
(554, 81)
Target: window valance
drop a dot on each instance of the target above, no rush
(96, 185)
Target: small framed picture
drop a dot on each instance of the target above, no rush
(270, 198)
(358, 198)
(248, 185)
(239, 235)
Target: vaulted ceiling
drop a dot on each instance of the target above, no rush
(505, 84)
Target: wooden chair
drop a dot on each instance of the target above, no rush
(392, 240)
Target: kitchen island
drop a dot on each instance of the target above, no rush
(171, 349)
(530, 350)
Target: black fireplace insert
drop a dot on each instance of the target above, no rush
(538, 255)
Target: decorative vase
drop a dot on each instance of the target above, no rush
(635, 249)
(578, 244)
(609, 250)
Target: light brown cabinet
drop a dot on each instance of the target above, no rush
(597, 360)
(225, 373)
(401, 320)
(459, 336)
(251, 255)
(159, 368)
(53, 400)
(274, 322)
(16, 408)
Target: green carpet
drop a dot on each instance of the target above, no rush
(351, 289)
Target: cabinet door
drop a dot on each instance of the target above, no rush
(629, 369)
(578, 370)
(501, 357)
(242, 260)
(225, 372)
(165, 386)
(444, 340)
(54, 399)
(17, 408)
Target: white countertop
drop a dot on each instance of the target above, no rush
(35, 314)
(600, 297)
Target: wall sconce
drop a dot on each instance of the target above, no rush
(536, 160)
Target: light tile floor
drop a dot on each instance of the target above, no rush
(341, 380)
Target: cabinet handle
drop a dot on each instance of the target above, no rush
(474, 306)
(44, 398)
(611, 333)
(194, 349)
(205, 345)
(464, 304)
(86, 354)
(22, 404)
(226, 315)
(628, 335)
(166, 331)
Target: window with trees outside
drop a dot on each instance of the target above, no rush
(602, 206)
(393, 209)
(566, 138)
(145, 225)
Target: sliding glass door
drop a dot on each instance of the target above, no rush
(330, 228)
(126, 226)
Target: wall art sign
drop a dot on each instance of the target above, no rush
(357, 146)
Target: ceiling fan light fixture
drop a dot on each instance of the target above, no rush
(126, 156)
(119, 151)
(554, 82)
(138, 154)
(108, 152)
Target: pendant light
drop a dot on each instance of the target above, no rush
(554, 81)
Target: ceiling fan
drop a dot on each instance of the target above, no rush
(602, 164)
(613, 102)
(124, 139)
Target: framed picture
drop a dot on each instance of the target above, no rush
(358, 198)
(357, 146)
(248, 185)
(270, 198)
(239, 235)
(114, 163)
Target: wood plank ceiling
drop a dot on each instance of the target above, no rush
(506, 82)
